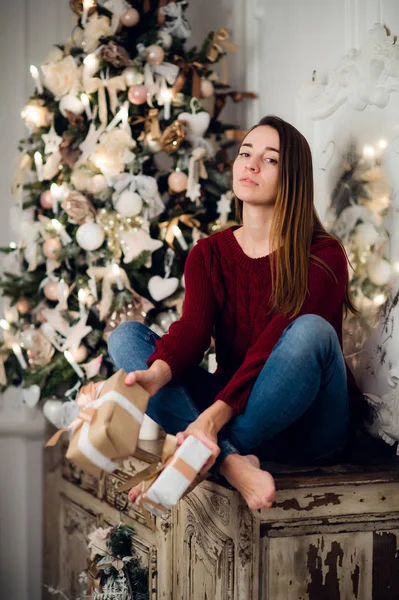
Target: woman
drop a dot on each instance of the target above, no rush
(273, 291)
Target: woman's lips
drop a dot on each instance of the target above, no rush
(247, 181)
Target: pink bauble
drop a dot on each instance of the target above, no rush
(23, 306)
(51, 290)
(155, 54)
(207, 89)
(137, 94)
(177, 181)
(46, 200)
(80, 354)
(51, 247)
(130, 18)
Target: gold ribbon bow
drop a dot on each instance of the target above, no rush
(149, 475)
(87, 395)
(151, 123)
(187, 220)
(113, 86)
(219, 45)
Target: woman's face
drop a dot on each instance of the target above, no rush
(256, 170)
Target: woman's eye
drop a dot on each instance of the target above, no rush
(244, 154)
(272, 161)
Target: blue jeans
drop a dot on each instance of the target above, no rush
(297, 411)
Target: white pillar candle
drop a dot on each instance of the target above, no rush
(86, 103)
(87, 4)
(82, 295)
(36, 78)
(117, 272)
(178, 234)
(39, 165)
(65, 238)
(20, 357)
(73, 364)
(56, 195)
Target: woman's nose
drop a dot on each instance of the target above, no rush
(252, 166)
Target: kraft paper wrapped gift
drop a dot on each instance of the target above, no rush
(164, 484)
(107, 428)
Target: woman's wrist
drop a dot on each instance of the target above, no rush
(217, 415)
(163, 371)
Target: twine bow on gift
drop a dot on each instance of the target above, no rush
(113, 86)
(221, 45)
(87, 395)
(186, 219)
(150, 474)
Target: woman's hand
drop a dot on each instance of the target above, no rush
(152, 379)
(203, 430)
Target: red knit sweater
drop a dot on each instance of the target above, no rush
(227, 293)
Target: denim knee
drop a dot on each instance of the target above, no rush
(311, 330)
(126, 333)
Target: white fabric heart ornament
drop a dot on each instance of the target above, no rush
(162, 288)
(52, 410)
(31, 395)
(197, 123)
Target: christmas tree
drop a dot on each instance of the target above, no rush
(357, 215)
(125, 166)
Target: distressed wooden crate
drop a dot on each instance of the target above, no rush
(332, 534)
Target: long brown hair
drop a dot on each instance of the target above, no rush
(295, 222)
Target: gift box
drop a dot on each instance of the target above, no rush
(106, 430)
(164, 484)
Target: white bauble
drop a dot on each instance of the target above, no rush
(379, 271)
(52, 410)
(71, 103)
(165, 40)
(129, 204)
(133, 76)
(90, 236)
(366, 235)
(98, 184)
(152, 144)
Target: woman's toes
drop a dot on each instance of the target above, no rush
(134, 493)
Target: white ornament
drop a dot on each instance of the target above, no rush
(90, 236)
(52, 410)
(379, 271)
(224, 206)
(366, 235)
(197, 123)
(128, 204)
(31, 395)
(136, 242)
(71, 103)
(165, 40)
(160, 288)
(98, 184)
(51, 140)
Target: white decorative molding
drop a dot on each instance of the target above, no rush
(363, 77)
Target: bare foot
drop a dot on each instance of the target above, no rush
(134, 493)
(256, 486)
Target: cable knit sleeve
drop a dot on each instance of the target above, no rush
(325, 298)
(187, 339)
